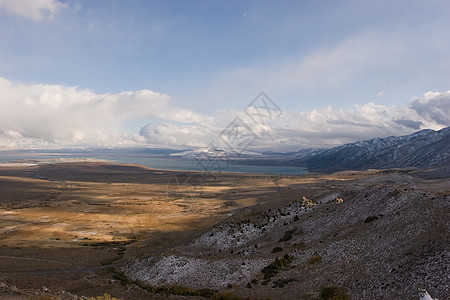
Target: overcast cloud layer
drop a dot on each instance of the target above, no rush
(54, 116)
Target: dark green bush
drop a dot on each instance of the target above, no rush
(274, 267)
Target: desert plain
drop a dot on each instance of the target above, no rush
(74, 230)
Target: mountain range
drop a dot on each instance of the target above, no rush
(425, 148)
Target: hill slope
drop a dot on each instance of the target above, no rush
(380, 237)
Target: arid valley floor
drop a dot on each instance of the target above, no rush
(74, 230)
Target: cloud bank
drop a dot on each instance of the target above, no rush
(41, 115)
(56, 116)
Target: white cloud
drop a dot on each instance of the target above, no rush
(49, 116)
(434, 107)
(54, 115)
(36, 10)
(327, 127)
(321, 127)
(167, 134)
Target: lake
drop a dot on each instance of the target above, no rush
(152, 161)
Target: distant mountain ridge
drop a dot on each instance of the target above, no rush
(424, 148)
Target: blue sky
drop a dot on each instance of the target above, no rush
(326, 62)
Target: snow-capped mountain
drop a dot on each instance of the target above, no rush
(215, 153)
(421, 149)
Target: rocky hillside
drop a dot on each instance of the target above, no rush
(369, 240)
(421, 149)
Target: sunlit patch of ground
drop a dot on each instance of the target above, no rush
(74, 205)
(95, 213)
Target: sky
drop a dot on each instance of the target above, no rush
(181, 74)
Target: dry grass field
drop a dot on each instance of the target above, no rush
(63, 223)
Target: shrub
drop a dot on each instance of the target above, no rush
(274, 267)
(229, 203)
(277, 249)
(334, 293)
(308, 297)
(314, 259)
(282, 282)
(370, 219)
(287, 236)
(329, 293)
(225, 296)
(118, 275)
(177, 290)
(104, 297)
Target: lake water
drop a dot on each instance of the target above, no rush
(162, 163)
(192, 165)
